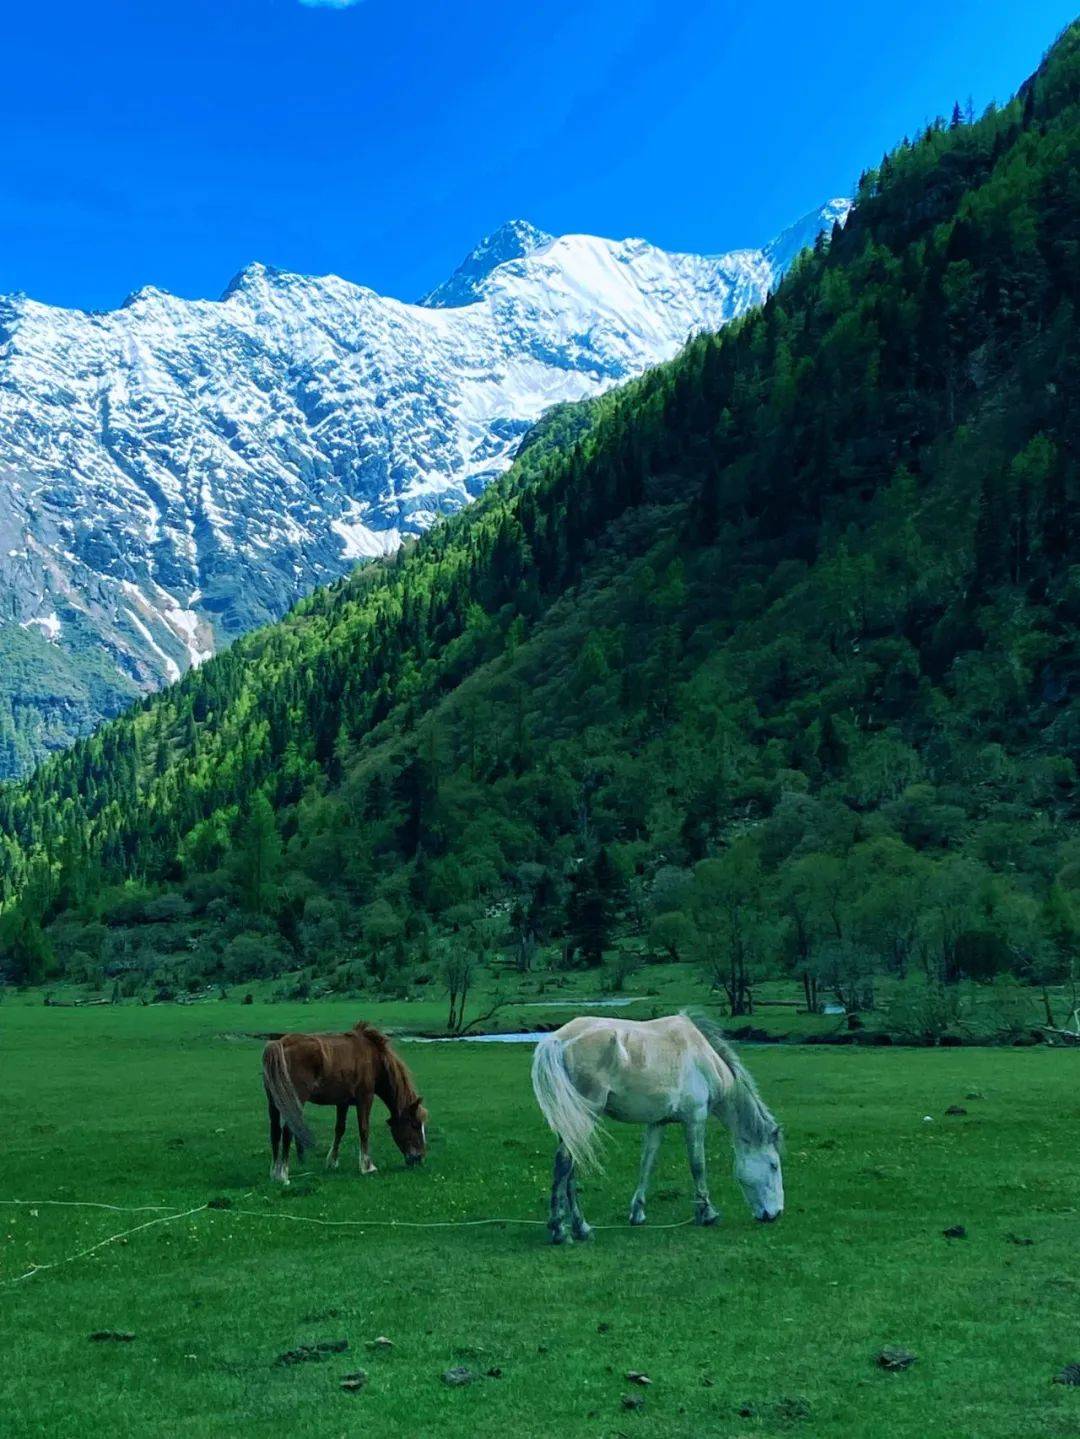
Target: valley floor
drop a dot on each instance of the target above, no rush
(743, 1329)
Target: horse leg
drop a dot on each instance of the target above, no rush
(286, 1144)
(559, 1194)
(363, 1119)
(694, 1130)
(275, 1139)
(339, 1132)
(650, 1145)
(578, 1227)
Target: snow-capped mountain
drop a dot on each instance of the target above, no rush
(512, 241)
(176, 471)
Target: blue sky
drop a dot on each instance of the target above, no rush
(169, 142)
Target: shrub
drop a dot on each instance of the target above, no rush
(671, 935)
(922, 1011)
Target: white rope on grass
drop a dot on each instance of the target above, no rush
(377, 1223)
(260, 1214)
(88, 1204)
(420, 1223)
(101, 1244)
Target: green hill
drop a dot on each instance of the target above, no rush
(772, 665)
(50, 696)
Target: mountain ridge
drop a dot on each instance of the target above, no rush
(175, 472)
(513, 240)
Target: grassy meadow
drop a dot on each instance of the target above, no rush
(743, 1329)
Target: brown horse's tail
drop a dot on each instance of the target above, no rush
(281, 1092)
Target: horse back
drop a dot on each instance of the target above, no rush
(649, 1064)
(636, 1041)
(330, 1068)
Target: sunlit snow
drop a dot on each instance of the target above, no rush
(181, 470)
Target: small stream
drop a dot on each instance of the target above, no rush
(525, 1036)
(619, 1003)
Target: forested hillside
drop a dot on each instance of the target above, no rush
(772, 665)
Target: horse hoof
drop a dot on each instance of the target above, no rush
(706, 1217)
(560, 1236)
(637, 1216)
(583, 1231)
(331, 1164)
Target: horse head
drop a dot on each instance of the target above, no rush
(757, 1168)
(409, 1128)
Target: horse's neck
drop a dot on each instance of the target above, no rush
(725, 1094)
(738, 1104)
(390, 1083)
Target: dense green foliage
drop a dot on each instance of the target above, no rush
(50, 696)
(773, 665)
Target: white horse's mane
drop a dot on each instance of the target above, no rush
(752, 1121)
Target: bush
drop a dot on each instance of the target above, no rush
(125, 904)
(1007, 1008)
(320, 931)
(922, 1012)
(671, 935)
(166, 909)
(626, 963)
(253, 956)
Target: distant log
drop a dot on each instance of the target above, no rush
(1060, 1036)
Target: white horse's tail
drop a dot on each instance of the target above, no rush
(566, 1110)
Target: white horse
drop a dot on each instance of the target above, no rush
(652, 1072)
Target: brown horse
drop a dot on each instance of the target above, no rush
(343, 1070)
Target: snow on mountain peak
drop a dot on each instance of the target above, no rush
(253, 276)
(782, 251)
(174, 472)
(512, 241)
(144, 294)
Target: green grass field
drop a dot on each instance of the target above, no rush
(744, 1329)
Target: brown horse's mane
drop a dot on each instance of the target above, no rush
(378, 1039)
(397, 1072)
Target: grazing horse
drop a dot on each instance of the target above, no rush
(343, 1070)
(653, 1072)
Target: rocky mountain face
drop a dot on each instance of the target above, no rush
(175, 472)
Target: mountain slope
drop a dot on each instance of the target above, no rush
(775, 664)
(176, 472)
